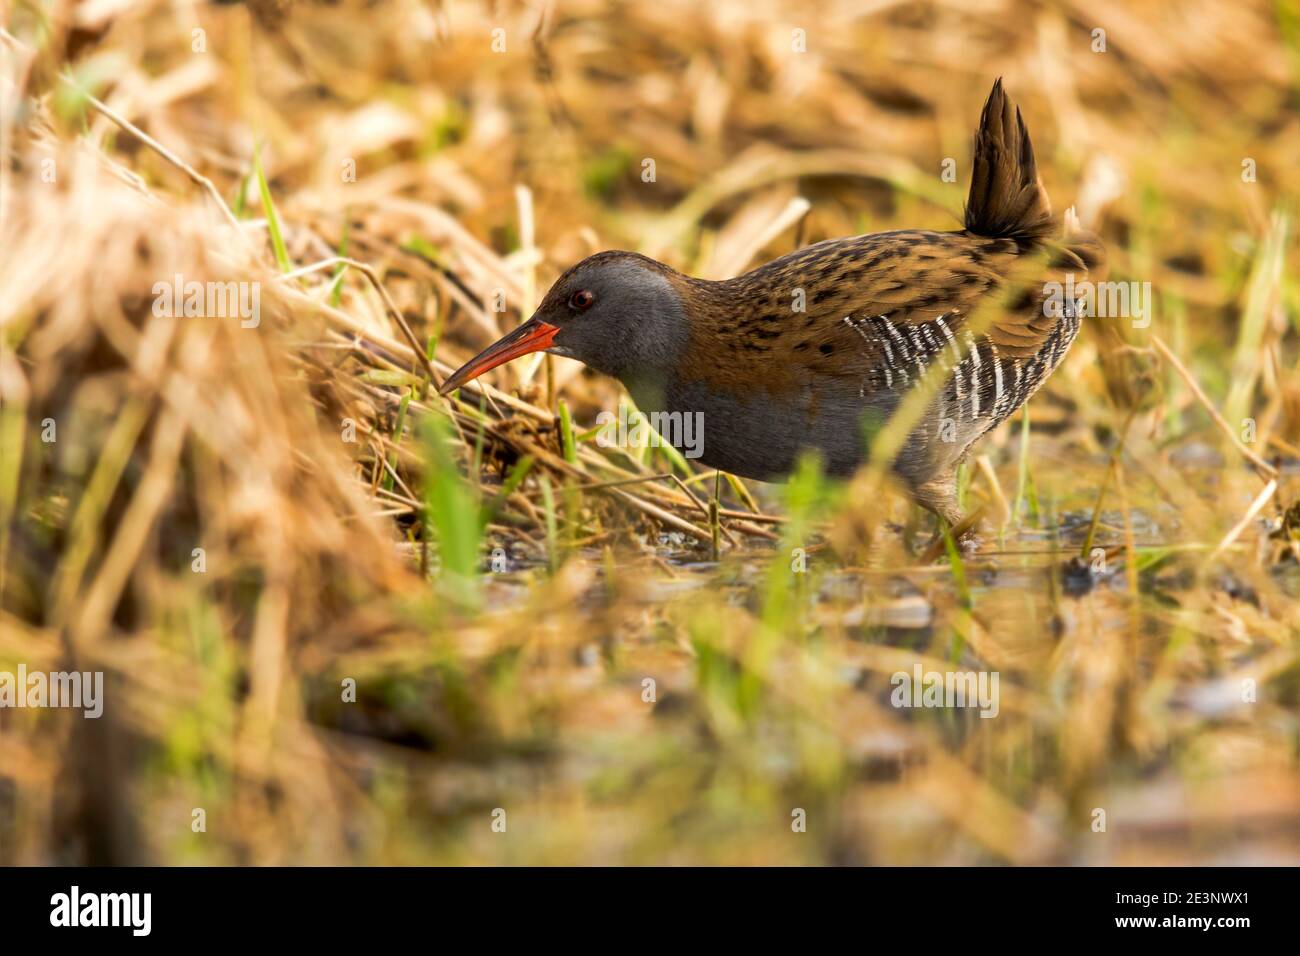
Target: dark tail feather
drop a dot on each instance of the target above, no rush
(1007, 200)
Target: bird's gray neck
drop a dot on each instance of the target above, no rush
(650, 339)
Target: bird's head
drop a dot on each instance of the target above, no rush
(618, 312)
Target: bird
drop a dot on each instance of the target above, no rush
(813, 350)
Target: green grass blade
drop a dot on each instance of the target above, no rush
(268, 209)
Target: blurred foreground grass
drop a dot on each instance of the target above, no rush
(353, 622)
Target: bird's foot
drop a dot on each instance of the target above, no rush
(967, 543)
(963, 535)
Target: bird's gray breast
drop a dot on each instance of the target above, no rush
(762, 433)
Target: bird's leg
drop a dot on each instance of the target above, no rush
(939, 495)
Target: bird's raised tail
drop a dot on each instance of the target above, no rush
(1007, 199)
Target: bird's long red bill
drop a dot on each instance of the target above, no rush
(533, 336)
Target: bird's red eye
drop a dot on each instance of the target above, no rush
(581, 300)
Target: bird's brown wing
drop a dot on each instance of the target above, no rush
(848, 308)
(918, 292)
(834, 308)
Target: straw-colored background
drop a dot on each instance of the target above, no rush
(482, 171)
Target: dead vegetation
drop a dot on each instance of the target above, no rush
(233, 521)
